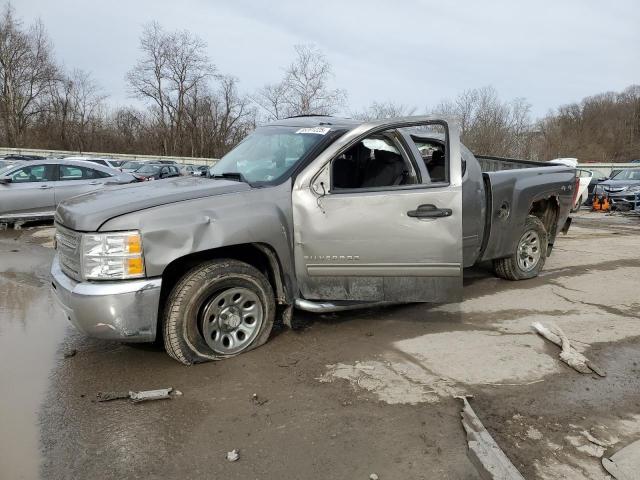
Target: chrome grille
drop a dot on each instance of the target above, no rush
(68, 246)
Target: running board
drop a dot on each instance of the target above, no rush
(335, 306)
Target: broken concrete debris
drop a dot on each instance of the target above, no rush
(141, 396)
(373, 476)
(568, 354)
(233, 455)
(484, 452)
(625, 463)
(597, 441)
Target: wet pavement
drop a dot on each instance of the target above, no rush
(343, 396)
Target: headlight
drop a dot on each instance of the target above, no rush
(635, 188)
(109, 256)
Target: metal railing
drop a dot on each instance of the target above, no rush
(606, 168)
(115, 156)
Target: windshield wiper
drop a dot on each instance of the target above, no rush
(231, 176)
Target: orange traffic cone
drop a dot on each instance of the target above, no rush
(606, 206)
(596, 206)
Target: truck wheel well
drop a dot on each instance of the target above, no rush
(547, 211)
(258, 255)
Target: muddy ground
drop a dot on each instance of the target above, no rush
(343, 396)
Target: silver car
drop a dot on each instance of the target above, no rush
(33, 189)
(107, 162)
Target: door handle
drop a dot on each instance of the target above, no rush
(94, 183)
(429, 211)
(45, 187)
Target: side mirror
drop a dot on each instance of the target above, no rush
(320, 183)
(5, 179)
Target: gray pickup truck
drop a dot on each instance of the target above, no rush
(317, 213)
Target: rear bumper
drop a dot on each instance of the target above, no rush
(125, 310)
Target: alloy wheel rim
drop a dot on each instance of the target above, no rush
(529, 251)
(231, 320)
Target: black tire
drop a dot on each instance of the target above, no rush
(510, 268)
(192, 295)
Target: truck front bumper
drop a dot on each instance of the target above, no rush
(125, 310)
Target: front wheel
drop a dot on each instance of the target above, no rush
(577, 205)
(530, 255)
(219, 309)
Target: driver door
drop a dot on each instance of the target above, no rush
(370, 225)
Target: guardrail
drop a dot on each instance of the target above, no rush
(115, 156)
(606, 168)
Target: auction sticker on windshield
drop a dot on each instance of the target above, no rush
(316, 130)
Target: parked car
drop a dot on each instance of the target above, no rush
(131, 166)
(583, 188)
(189, 169)
(597, 178)
(107, 162)
(568, 161)
(622, 189)
(165, 162)
(15, 156)
(319, 213)
(32, 189)
(203, 170)
(9, 163)
(585, 179)
(153, 171)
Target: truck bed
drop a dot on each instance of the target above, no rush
(496, 164)
(513, 188)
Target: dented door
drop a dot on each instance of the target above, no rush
(399, 243)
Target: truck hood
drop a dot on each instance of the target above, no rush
(87, 212)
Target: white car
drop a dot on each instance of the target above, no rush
(585, 179)
(107, 162)
(583, 188)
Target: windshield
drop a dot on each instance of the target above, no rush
(131, 164)
(148, 169)
(269, 153)
(629, 174)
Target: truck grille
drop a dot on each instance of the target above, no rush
(68, 246)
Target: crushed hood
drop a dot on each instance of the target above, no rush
(87, 212)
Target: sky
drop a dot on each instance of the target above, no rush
(412, 52)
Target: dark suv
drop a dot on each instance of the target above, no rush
(623, 189)
(154, 171)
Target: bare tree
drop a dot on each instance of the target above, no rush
(604, 127)
(27, 71)
(173, 66)
(489, 125)
(387, 109)
(219, 119)
(88, 102)
(304, 89)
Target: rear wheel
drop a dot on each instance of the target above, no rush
(530, 255)
(578, 204)
(219, 309)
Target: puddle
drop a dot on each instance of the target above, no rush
(31, 327)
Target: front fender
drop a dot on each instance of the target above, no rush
(175, 230)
